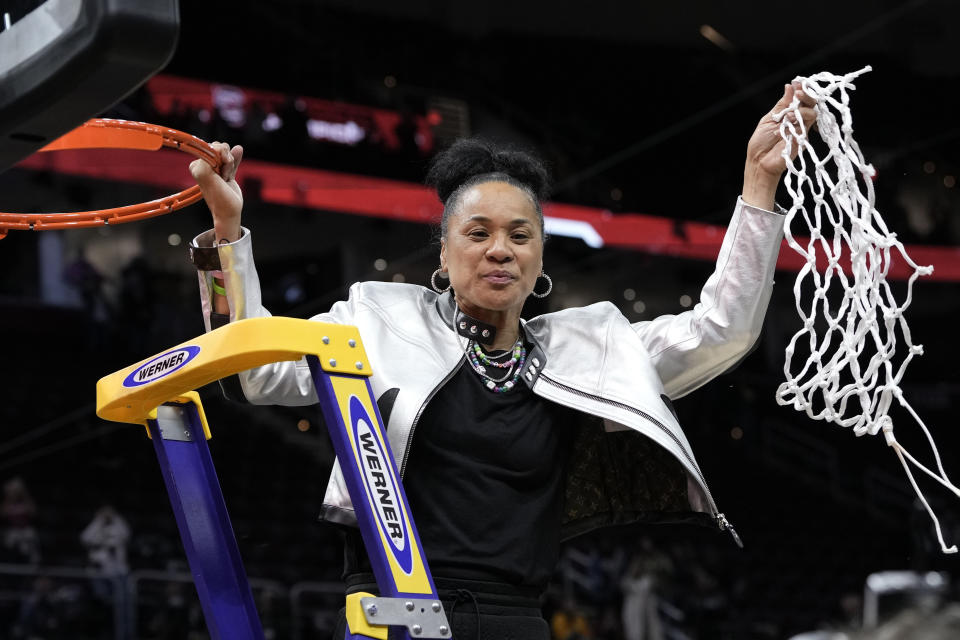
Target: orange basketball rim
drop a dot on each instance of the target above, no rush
(104, 133)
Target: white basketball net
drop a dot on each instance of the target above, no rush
(850, 377)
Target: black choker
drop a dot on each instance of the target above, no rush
(474, 329)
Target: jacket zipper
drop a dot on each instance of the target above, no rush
(416, 419)
(722, 523)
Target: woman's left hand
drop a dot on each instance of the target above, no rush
(765, 163)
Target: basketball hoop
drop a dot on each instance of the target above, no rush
(103, 133)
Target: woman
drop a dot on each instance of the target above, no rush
(514, 435)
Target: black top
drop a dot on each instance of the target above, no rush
(485, 482)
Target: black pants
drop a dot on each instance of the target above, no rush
(477, 611)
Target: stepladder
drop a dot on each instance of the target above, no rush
(160, 394)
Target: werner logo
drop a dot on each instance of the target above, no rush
(382, 492)
(161, 366)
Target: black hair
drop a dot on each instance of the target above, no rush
(472, 161)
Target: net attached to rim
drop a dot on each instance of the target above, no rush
(854, 328)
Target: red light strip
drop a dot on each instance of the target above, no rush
(172, 95)
(382, 198)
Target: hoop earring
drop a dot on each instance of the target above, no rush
(549, 286)
(433, 282)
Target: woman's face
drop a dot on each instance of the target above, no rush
(493, 251)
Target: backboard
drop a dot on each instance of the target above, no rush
(64, 61)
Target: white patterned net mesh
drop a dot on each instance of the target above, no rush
(855, 336)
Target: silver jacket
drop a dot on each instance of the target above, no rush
(591, 358)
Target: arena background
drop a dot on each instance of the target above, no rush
(640, 108)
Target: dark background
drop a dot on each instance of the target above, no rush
(636, 111)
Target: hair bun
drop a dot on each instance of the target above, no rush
(469, 157)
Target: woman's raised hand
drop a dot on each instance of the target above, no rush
(221, 191)
(765, 163)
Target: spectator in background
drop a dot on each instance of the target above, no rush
(136, 313)
(84, 278)
(641, 618)
(88, 282)
(21, 544)
(106, 539)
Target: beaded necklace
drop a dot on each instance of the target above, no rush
(514, 365)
